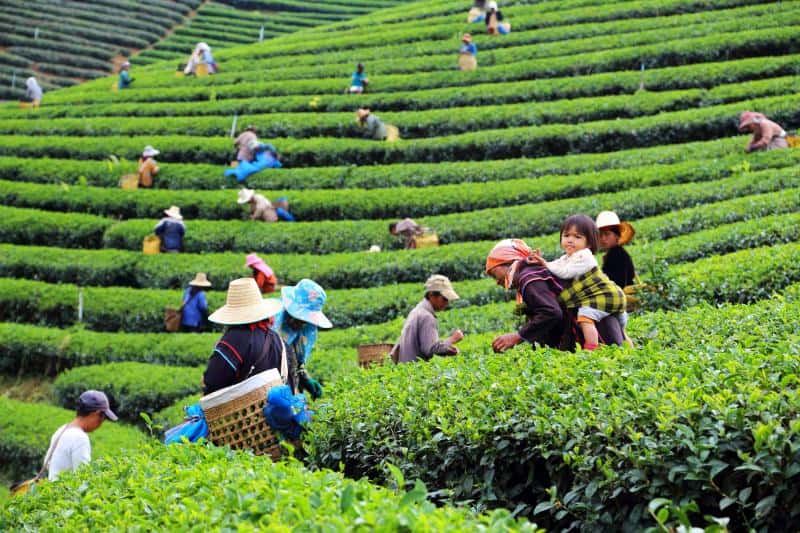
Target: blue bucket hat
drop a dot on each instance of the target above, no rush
(304, 302)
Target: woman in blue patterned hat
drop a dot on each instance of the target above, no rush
(298, 325)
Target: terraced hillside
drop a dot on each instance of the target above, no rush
(229, 23)
(66, 42)
(585, 106)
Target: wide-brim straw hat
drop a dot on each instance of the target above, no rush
(305, 301)
(245, 305)
(607, 219)
(200, 280)
(245, 195)
(149, 151)
(174, 212)
(362, 113)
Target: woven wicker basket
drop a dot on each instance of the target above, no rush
(373, 354)
(240, 424)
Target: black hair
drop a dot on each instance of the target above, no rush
(392, 227)
(360, 67)
(613, 229)
(585, 226)
(432, 293)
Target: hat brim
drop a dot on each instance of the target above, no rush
(200, 284)
(173, 215)
(626, 233)
(150, 153)
(246, 198)
(228, 316)
(108, 413)
(316, 318)
(450, 294)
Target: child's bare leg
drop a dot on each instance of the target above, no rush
(589, 330)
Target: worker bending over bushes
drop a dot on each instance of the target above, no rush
(420, 335)
(249, 345)
(767, 135)
(171, 230)
(298, 324)
(547, 323)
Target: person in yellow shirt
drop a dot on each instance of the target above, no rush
(147, 166)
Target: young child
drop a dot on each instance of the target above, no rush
(617, 264)
(595, 296)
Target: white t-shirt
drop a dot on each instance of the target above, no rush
(73, 450)
(572, 266)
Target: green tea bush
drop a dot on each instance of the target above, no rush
(576, 441)
(709, 76)
(742, 276)
(210, 488)
(26, 429)
(349, 235)
(47, 351)
(539, 141)
(29, 226)
(363, 204)
(709, 155)
(132, 387)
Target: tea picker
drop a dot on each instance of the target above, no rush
(767, 135)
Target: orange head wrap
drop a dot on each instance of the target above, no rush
(507, 251)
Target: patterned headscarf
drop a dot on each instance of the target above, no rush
(506, 252)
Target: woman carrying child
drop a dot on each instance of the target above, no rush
(589, 290)
(546, 323)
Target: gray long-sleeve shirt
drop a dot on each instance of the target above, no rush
(420, 335)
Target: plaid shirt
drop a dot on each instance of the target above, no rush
(593, 289)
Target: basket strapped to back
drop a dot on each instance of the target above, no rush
(373, 354)
(467, 62)
(793, 140)
(240, 423)
(201, 70)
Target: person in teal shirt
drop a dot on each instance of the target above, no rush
(359, 81)
(125, 79)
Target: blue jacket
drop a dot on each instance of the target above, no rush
(195, 307)
(124, 79)
(171, 232)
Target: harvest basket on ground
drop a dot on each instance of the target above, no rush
(373, 354)
(428, 239)
(235, 415)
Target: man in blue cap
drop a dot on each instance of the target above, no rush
(70, 446)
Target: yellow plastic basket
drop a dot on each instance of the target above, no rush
(151, 245)
(392, 133)
(201, 70)
(129, 182)
(426, 240)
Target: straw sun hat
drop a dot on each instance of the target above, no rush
(244, 305)
(200, 280)
(174, 211)
(361, 113)
(609, 218)
(245, 195)
(149, 151)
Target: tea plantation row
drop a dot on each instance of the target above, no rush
(458, 261)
